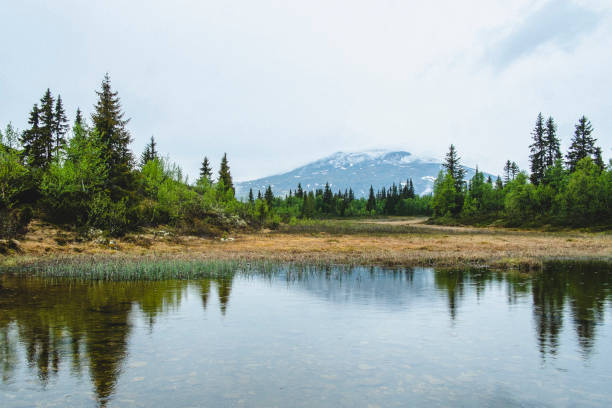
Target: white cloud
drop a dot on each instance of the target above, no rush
(276, 84)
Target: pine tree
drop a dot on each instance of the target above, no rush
(371, 204)
(224, 174)
(538, 152)
(269, 196)
(60, 126)
(411, 193)
(299, 193)
(259, 195)
(514, 170)
(78, 120)
(108, 120)
(206, 170)
(251, 198)
(499, 185)
(32, 142)
(328, 199)
(47, 125)
(149, 153)
(452, 164)
(507, 172)
(552, 143)
(351, 195)
(583, 144)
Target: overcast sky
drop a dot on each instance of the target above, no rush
(276, 84)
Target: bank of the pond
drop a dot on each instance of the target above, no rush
(385, 243)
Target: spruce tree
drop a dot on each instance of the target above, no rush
(108, 120)
(598, 159)
(259, 195)
(583, 144)
(60, 126)
(351, 195)
(538, 152)
(32, 141)
(269, 196)
(514, 170)
(149, 153)
(552, 143)
(251, 198)
(224, 174)
(299, 193)
(411, 193)
(371, 204)
(507, 172)
(452, 164)
(78, 120)
(206, 170)
(47, 125)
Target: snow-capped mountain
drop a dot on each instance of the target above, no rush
(356, 170)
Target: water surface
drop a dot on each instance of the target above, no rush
(329, 338)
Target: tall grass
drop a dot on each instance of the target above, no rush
(151, 269)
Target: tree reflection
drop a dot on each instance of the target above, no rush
(76, 321)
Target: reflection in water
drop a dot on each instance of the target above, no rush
(81, 321)
(88, 325)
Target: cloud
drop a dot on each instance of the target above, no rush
(560, 23)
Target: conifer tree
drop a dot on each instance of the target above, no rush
(259, 195)
(498, 183)
(224, 174)
(598, 159)
(552, 143)
(299, 193)
(47, 125)
(411, 193)
(269, 196)
(371, 204)
(351, 195)
(583, 144)
(251, 198)
(60, 126)
(108, 120)
(32, 142)
(206, 170)
(538, 152)
(507, 172)
(149, 153)
(328, 198)
(78, 120)
(514, 170)
(452, 164)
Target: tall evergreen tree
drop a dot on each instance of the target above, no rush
(78, 120)
(583, 144)
(507, 171)
(32, 141)
(452, 164)
(60, 126)
(259, 197)
(251, 198)
(299, 193)
(269, 196)
(47, 124)
(206, 170)
(224, 174)
(108, 120)
(149, 153)
(538, 152)
(351, 195)
(552, 143)
(411, 193)
(371, 204)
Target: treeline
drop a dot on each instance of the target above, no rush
(88, 177)
(571, 190)
(323, 202)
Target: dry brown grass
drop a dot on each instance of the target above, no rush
(423, 245)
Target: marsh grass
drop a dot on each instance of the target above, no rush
(134, 269)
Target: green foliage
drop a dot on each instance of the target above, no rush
(13, 174)
(445, 195)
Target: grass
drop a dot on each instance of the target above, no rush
(396, 242)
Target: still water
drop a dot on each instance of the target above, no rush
(330, 338)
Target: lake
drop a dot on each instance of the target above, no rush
(337, 337)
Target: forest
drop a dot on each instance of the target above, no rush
(83, 175)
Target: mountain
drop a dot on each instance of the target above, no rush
(357, 170)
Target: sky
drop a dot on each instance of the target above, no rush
(277, 84)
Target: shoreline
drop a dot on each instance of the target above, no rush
(391, 243)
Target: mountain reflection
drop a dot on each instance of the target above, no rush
(87, 326)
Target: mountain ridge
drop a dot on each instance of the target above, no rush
(356, 170)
